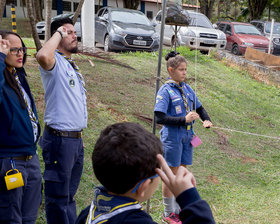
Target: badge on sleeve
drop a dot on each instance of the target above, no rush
(71, 82)
(178, 109)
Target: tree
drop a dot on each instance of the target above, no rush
(33, 25)
(256, 8)
(38, 10)
(2, 7)
(206, 7)
(78, 11)
(48, 11)
(131, 4)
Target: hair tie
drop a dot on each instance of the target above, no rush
(171, 54)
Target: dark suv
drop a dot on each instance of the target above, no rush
(265, 27)
(243, 35)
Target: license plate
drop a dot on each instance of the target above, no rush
(139, 42)
(208, 41)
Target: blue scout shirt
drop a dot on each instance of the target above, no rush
(65, 97)
(169, 100)
(16, 132)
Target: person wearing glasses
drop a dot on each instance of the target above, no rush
(127, 160)
(20, 195)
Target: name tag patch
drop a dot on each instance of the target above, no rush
(72, 83)
(178, 109)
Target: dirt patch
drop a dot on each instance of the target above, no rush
(117, 115)
(222, 138)
(213, 179)
(248, 160)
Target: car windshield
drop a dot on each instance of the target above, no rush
(276, 28)
(129, 17)
(246, 29)
(200, 20)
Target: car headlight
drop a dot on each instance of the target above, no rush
(247, 44)
(190, 33)
(223, 36)
(118, 30)
(276, 40)
(155, 35)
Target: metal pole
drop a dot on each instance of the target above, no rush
(158, 73)
(13, 15)
(270, 38)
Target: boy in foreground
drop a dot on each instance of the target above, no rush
(126, 161)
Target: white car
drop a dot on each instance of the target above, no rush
(40, 26)
(200, 33)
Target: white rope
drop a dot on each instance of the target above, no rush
(247, 133)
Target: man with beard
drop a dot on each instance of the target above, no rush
(65, 118)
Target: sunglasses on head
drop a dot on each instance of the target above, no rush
(15, 50)
(138, 185)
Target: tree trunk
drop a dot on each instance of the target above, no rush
(2, 7)
(78, 11)
(22, 2)
(33, 25)
(38, 10)
(48, 10)
(256, 8)
(206, 7)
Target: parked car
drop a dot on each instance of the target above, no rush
(243, 35)
(265, 28)
(200, 33)
(125, 29)
(40, 26)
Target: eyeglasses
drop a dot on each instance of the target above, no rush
(15, 50)
(138, 185)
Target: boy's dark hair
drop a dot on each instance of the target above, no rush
(124, 154)
(60, 22)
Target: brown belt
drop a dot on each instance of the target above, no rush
(25, 158)
(67, 134)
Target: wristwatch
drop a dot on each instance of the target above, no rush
(60, 33)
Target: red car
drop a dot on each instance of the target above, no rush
(243, 35)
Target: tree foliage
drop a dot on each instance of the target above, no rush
(256, 8)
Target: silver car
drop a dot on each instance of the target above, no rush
(200, 33)
(40, 26)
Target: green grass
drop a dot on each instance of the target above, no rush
(237, 174)
(23, 26)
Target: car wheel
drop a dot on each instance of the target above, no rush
(106, 44)
(235, 49)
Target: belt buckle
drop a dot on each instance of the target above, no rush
(189, 127)
(28, 157)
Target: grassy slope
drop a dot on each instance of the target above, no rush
(237, 174)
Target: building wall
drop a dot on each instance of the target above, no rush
(151, 8)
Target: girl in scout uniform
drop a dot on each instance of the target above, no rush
(175, 108)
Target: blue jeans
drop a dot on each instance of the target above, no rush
(20, 205)
(63, 159)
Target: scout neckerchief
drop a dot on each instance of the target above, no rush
(75, 67)
(106, 206)
(182, 94)
(33, 118)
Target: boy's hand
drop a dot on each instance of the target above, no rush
(191, 116)
(177, 184)
(4, 46)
